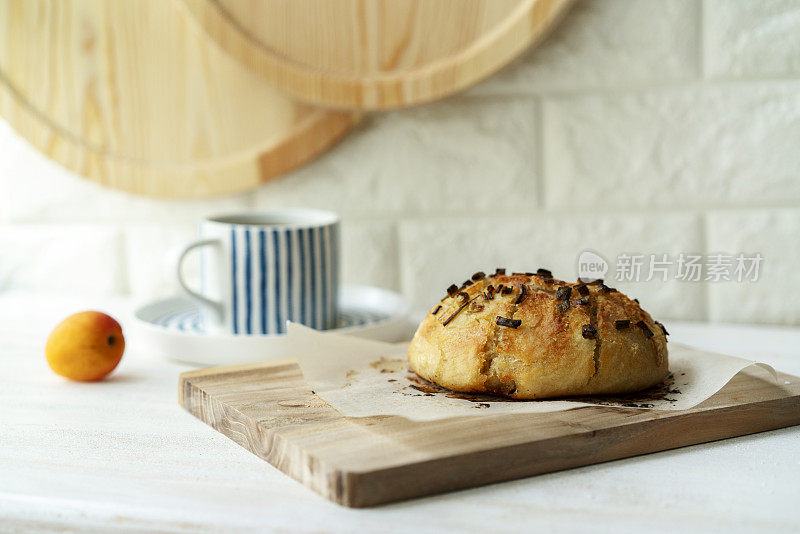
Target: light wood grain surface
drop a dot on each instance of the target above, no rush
(270, 410)
(134, 95)
(375, 54)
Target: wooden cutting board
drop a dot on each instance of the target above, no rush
(134, 95)
(375, 54)
(268, 409)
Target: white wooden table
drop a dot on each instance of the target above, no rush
(121, 455)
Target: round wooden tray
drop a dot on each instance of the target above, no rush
(376, 54)
(134, 95)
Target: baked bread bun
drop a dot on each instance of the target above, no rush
(529, 336)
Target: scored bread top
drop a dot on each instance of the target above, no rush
(528, 335)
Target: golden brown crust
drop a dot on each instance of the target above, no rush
(565, 343)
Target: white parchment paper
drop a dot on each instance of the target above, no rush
(362, 378)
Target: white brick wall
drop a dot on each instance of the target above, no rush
(450, 249)
(776, 235)
(639, 126)
(746, 38)
(607, 44)
(427, 160)
(86, 259)
(692, 146)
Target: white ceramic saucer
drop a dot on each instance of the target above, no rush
(173, 328)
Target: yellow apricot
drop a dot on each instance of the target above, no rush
(85, 346)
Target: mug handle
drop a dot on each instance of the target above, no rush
(217, 307)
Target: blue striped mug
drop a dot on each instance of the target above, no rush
(259, 270)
